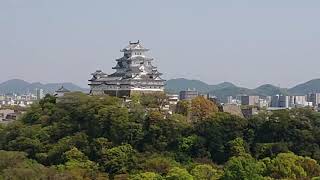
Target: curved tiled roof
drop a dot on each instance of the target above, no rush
(62, 89)
(134, 46)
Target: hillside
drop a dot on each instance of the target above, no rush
(179, 84)
(304, 88)
(222, 89)
(228, 89)
(14, 85)
(269, 90)
(20, 86)
(176, 85)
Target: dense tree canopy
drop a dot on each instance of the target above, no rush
(101, 137)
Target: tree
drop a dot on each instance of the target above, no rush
(263, 150)
(146, 176)
(183, 107)
(205, 172)
(177, 173)
(237, 147)
(217, 131)
(194, 147)
(164, 134)
(294, 130)
(118, 160)
(15, 165)
(56, 151)
(311, 167)
(153, 100)
(290, 166)
(159, 164)
(76, 159)
(28, 145)
(113, 121)
(201, 108)
(243, 168)
(98, 146)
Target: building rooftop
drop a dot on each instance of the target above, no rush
(62, 89)
(134, 46)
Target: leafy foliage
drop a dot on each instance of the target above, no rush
(89, 137)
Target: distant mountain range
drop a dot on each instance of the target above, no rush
(225, 89)
(20, 86)
(221, 90)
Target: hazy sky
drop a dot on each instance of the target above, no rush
(247, 42)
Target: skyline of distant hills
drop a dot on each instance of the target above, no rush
(221, 90)
(225, 89)
(20, 86)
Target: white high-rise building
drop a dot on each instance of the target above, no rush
(298, 101)
(39, 93)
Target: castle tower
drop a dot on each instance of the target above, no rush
(134, 74)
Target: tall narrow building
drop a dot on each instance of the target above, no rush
(134, 73)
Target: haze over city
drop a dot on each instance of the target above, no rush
(245, 42)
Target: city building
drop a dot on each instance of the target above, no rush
(268, 99)
(314, 98)
(230, 100)
(39, 93)
(250, 100)
(274, 101)
(280, 101)
(284, 101)
(134, 74)
(233, 100)
(263, 103)
(188, 94)
(298, 101)
(17, 101)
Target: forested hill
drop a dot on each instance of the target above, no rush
(20, 86)
(225, 89)
(310, 86)
(88, 137)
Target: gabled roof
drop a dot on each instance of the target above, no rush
(134, 46)
(62, 89)
(98, 72)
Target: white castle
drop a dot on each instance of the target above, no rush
(134, 74)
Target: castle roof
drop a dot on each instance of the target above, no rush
(62, 89)
(134, 46)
